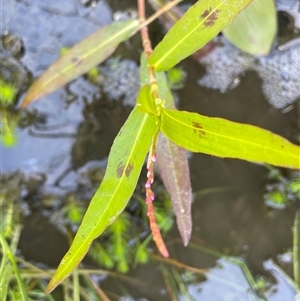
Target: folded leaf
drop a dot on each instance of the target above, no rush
(254, 29)
(144, 101)
(202, 21)
(81, 58)
(224, 138)
(125, 161)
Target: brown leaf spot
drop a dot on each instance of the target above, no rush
(199, 129)
(211, 17)
(128, 170)
(121, 167)
(76, 61)
(206, 13)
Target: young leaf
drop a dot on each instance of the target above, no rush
(203, 21)
(81, 58)
(224, 138)
(144, 101)
(173, 163)
(254, 29)
(125, 161)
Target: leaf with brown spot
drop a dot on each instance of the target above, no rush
(124, 165)
(201, 22)
(227, 139)
(81, 58)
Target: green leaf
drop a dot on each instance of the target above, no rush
(224, 138)
(203, 21)
(81, 58)
(125, 162)
(254, 29)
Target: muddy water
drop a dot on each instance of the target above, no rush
(75, 127)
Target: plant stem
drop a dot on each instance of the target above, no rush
(152, 153)
(171, 16)
(179, 264)
(150, 198)
(159, 12)
(145, 39)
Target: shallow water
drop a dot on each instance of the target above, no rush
(76, 129)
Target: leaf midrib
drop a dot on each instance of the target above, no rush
(172, 49)
(89, 237)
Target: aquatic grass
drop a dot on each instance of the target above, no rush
(9, 265)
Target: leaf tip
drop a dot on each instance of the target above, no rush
(186, 236)
(54, 282)
(51, 286)
(31, 96)
(24, 104)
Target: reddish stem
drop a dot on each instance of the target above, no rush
(145, 39)
(152, 155)
(149, 199)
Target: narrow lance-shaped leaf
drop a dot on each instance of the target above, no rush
(201, 22)
(173, 163)
(81, 58)
(224, 138)
(254, 29)
(125, 161)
